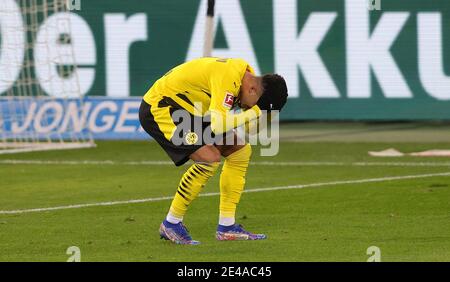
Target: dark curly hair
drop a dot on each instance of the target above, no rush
(275, 92)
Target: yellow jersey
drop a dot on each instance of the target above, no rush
(202, 84)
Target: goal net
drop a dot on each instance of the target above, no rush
(41, 105)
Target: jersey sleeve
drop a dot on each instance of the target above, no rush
(224, 90)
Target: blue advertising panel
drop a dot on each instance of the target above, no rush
(105, 118)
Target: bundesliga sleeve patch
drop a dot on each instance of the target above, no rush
(229, 100)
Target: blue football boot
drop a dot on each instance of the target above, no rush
(176, 233)
(236, 232)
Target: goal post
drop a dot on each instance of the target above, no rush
(209, 29)
(39, 83)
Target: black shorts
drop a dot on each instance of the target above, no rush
(171, 134)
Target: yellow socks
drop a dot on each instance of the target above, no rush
(192, 182)
(232, 181)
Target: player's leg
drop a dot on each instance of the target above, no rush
(206, 154)
(232, 182)
(206, 159)
(157, 121)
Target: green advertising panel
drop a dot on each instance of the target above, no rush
(342, 59)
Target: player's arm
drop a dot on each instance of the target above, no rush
(222, 99)
(255, 126)
(224, 121)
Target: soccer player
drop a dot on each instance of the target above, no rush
(208, 87)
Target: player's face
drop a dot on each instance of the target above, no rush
(248, 95)
(248, 98)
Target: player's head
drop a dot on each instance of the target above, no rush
(269, 92)
(251, 90)
(275, 93)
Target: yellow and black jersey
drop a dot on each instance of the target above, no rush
(201, 85)
(206, 86)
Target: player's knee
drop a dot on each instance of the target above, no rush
(242, 154)
(211, 156)
(214, 157)
(210, 159)
(248, 151)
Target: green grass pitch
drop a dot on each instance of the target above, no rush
(408, 219)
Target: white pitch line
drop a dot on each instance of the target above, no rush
(84, 162)
(421, 164)
(263, 163)
(254, 190)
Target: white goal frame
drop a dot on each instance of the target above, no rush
(25, 27)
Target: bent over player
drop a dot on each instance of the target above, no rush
(208, 87)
